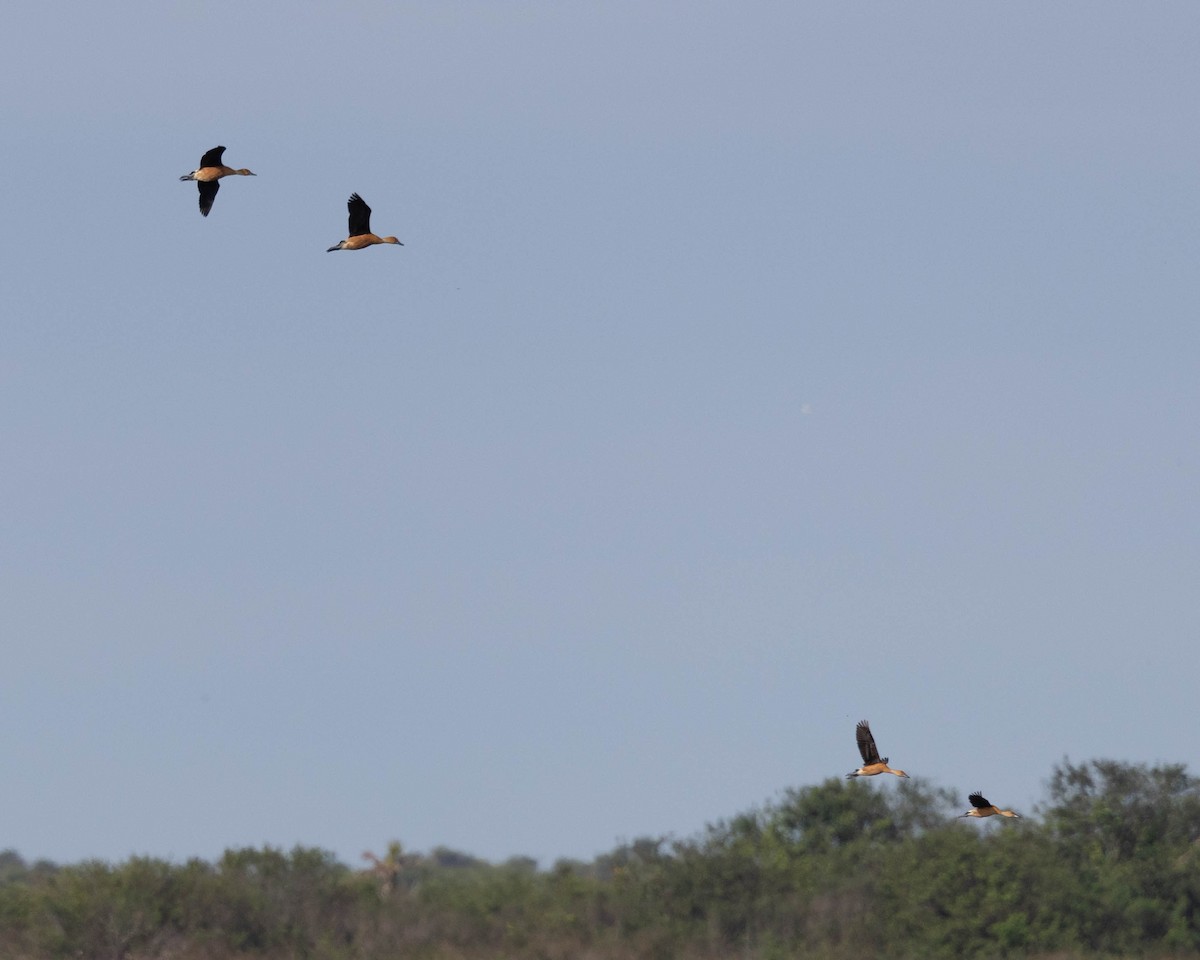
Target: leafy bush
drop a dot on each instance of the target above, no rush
(831, 871)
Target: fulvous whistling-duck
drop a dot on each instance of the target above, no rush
(360, 227)
(981, 808)
(872, 764)
(209, 174)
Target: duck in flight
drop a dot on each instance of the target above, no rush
(872, 764)
(981, 808)
(208, 177)
(360, 227)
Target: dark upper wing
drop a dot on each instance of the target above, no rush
(208, 193)
(360, 215)
(977, 800)
(212, 158)
(866, 743)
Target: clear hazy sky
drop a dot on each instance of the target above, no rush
(749, 369)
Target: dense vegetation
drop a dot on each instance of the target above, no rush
(838, 870)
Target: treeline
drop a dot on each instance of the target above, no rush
(1111, 868)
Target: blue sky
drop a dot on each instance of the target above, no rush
(748, 369)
